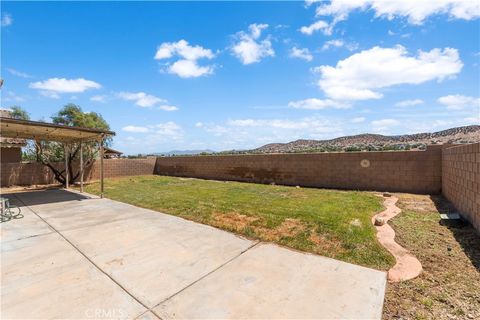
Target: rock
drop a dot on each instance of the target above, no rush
(387, 194)
(379, 221)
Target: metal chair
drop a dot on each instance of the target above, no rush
(9, 211)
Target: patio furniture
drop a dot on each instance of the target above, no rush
(9, 211)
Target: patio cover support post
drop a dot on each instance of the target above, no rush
(101, 167)
(81, 167)
(66, 165)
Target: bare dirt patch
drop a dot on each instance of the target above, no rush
(448, 287)
(239, 222)
(232, 220)
(290, 227)
(323, 243)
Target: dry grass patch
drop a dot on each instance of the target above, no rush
(232, 220)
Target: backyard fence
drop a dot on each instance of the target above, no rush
(408, 171)
(453, 171)
(461, 180)
(20, 174)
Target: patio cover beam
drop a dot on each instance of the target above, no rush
(35, 130)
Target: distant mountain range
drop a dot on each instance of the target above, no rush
(375, 142)
(183, 152)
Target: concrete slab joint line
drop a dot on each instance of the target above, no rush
(407, 266)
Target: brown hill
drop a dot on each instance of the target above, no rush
(375, 142)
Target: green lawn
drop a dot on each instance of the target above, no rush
(332, 223)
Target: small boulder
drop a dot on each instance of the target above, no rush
(379, 221)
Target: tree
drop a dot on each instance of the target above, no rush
(19, 113)
(50, 152)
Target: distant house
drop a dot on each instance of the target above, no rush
(111, 153)
(10, 148)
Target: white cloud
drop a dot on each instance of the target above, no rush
(154, 133)
(459, 102)
(99, 98)
(135, 129)
(338, 43)
(360, 76)
(333, 43)
(385, 122)
(215, 129)
(249, 48)
(184, 50)
(141, 98)
(414, 11)
(472, 120)
(50, 94)
(6, 20)
(189, 69)
(384, 125)
(187, 66)
(317, 26)
(13, 97)
(18, 73)
(409, 103)
(168, 108)
(314, 124)
(317, 104)
(358, 120)
(308, 3)
(52, 88)
(301, 53)
(170, 129)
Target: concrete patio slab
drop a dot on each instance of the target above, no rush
(30, 225)
(155, 255)
(113, 260)
(83, 210)
(148, 316)
(270, 282)
(44, 277)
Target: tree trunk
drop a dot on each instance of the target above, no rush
(60, 175)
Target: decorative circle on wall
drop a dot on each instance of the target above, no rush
(365, 163)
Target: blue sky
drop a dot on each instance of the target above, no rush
(235, 75)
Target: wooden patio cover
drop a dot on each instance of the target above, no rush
(36, 130)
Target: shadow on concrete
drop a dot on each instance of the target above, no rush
(462, 230)
(31, 198)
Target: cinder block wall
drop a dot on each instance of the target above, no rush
(409, 171)
(8, 155)
(25, 174)
(461, 180)
(21, 174)
(123, 167)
